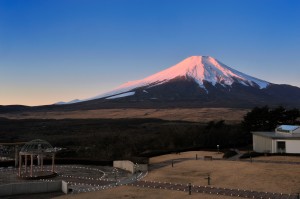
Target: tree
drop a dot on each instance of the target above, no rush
(257, 119)
(266, 119)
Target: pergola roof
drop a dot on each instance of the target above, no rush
(37, 146)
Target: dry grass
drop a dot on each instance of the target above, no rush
(279, 158)
(268, 177)
(196, 114)
(190, 154)
(126, 192)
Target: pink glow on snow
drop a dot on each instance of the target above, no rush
(199, 68)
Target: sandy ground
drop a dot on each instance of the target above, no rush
(195, 114)
(266, 177)
(127, 192)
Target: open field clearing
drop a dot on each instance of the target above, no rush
(195, 115)
(267, 177)
(189, 155)
(262, 177)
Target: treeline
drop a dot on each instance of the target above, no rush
(122, 138)
(267, 119)
(108, 139)
(175, 137)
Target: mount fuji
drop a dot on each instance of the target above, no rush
(197, 81)
(199, 69)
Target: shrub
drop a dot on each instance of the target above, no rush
(229, 154)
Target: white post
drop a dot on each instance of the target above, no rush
(39, 160)
(20, 164)
(16, 155)
(31, 166)
(42, 162)
(53, 156)
(25, 164)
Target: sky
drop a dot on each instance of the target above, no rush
(60, 50)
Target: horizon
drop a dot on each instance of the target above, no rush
(53, 51)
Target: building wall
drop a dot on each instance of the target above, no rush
(274, 146)
(262, 144)
(292, 146)
(297, 130)
(124, 164)
(64, 187)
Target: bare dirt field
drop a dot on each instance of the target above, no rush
(230, 115)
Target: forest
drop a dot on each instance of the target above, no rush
(110, 139)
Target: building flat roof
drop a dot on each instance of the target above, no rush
(275, 135)
(288, 127)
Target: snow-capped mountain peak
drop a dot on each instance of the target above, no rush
(199, 68)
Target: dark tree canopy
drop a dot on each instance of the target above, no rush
(266, 119)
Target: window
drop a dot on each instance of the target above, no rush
(280, 147)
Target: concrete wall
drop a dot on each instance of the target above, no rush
(292, 146)
(64, 187)
(32, 187)
(124, 164)
(130, 166)
(262, 144)
(143, 167)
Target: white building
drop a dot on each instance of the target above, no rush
(285, 139)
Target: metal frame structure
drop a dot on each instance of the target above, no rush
(36, 148)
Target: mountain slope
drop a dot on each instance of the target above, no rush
(198, 68)
(198, 81)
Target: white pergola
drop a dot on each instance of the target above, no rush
(36, 148)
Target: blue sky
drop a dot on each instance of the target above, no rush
(59, 50)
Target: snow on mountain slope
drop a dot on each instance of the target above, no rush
(70, 102)
(199, 68)
(121, 95)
